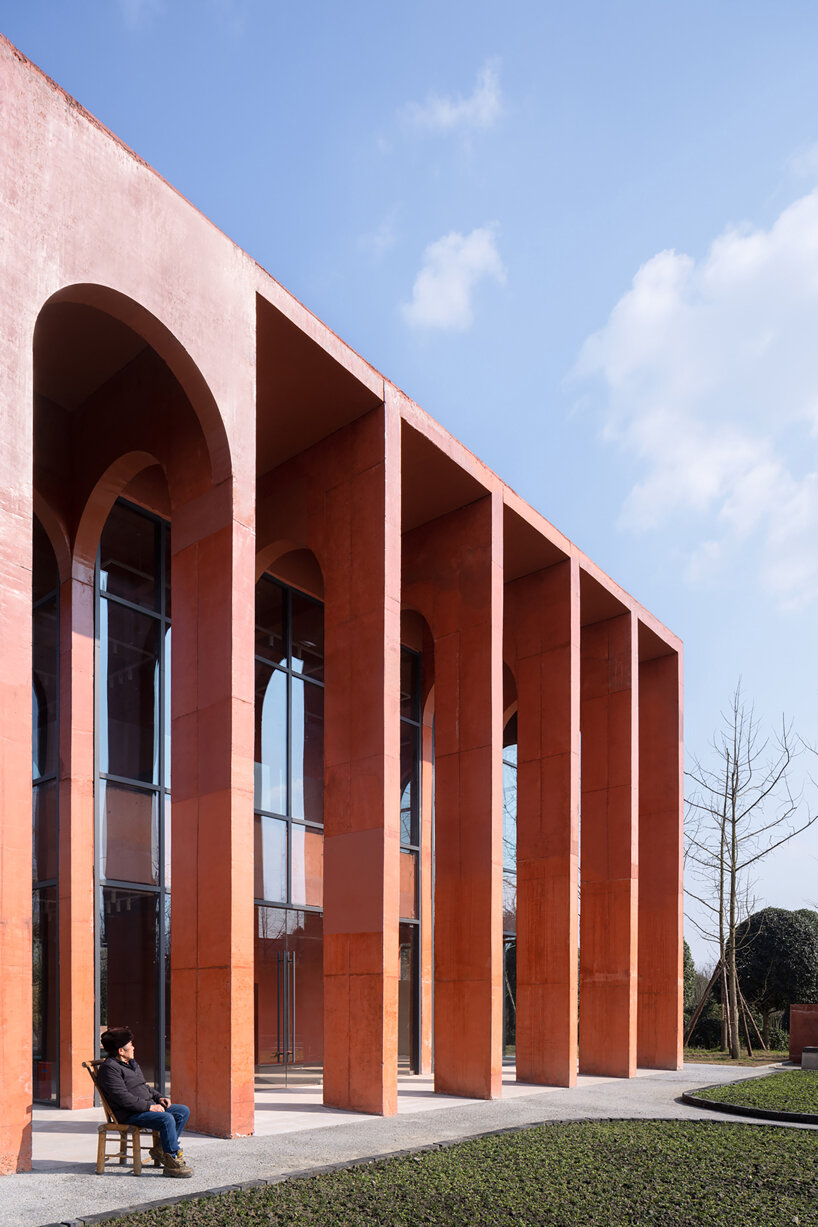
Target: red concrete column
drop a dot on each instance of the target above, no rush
(15, 732)
(362, 771)
(453, 574)
(543, 638)
(76, 841)
(660, 994)
(609, 867)
(213, 590)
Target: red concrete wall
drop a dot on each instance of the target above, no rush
(803, 1029)
(543, 647)
(660, 987)
(453, 576)
(609, 866)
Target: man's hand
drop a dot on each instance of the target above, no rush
(157, 1107)
(165, 1102)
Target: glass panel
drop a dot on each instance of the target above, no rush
(307, 866)
(44, 985)
(45, 655)
(45, 576)
(305, 942)
(509, 903)
(167, 571)
(510, 738)
(167, 844)
(308, 636)
(269, 986)
(270, 637)
(271, 739)
(129, 942)
(409, 684)
(129, 693)
(270, 863)
(407, 997)
(307, 799)
(408, 783)
(130, 834)
(127, 557)
(509, 817)
(509, 998)
(408, 885)
(45, 832)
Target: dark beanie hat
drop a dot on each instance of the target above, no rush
(116, 1038)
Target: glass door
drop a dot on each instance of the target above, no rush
(289, 997)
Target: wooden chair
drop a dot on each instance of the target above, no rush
(122, 1132)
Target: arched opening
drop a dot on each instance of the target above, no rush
(289, 821)
(45, 703)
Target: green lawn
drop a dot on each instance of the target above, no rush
(790, 1090)
(605, 1173)
(714, 1056)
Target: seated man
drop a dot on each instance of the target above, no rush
(133, 1102)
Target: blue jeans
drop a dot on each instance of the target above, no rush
(168, 1124)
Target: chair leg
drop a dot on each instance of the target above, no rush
(157, 1146)
(101, 1152)
(137, 1152)
(123, 1149)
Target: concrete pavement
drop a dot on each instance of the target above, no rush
(295, 1133)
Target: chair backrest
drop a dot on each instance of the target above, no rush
(92, 1067)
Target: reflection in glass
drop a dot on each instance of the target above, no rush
(409, 685)
(127, 556)
(408, 783)
(307, 716)
(305, 944)
(289, 994)
(271, 739)
(129, 716)
(509, 817)
(408, 885)
(45, 656)
(407, 998)
(270, 860)
(509, 997)
(44, 988)
(307, 636)
(509, 903)
(44, 864)
(307, 858)
(270, 632)
(166, 708)
(130, 834)
(129, 945)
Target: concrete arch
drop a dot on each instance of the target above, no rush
(294, 564)
(98, 507)
(166, 345)
(56, 532)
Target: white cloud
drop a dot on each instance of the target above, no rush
(453, 267)
(446, 114)
(710, 369)
(383, 238)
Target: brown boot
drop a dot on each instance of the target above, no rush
(175, 1166)
(157, 1154)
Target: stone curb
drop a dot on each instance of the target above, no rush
(108, 1216)
(692, 1098)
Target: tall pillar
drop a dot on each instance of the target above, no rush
(660, 995)
(76, 837)
(609, 851)
(453, 574)
(15, 732)
(543, 642)
(362, 769)
(212, 693)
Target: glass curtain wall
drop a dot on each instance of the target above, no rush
(409, 927)
(510, 888)
(133, 783)
(289, 835)
(45, 759)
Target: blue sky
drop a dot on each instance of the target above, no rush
(583, 237)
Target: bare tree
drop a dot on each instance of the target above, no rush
(741, 808)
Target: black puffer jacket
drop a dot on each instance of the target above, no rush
(123, 1085)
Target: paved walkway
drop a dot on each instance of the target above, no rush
(295, 1133)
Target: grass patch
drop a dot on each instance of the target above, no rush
(790, 1090)
(714, 1056)
(668, 1173)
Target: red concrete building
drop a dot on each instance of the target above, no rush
(393, 688)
